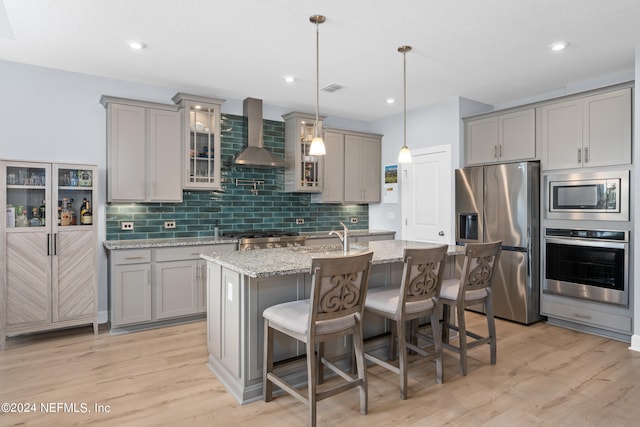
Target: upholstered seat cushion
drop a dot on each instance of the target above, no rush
(449, 291)
(295, 317)
(386, 300)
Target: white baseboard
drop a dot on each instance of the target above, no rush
(635, 343)
(103, 316)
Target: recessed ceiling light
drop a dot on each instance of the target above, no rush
(559, 46)
(289, 79)
(137, 45)
(390, 100)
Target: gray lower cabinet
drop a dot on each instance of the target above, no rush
(158, 284)
(601, 319)
(130, 280)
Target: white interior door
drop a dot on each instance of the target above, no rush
(426, 196)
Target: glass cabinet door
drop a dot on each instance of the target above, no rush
(201, 140)
(74, 195)
(202, 148)
(305, 171)
(27, 193)
(308, 165)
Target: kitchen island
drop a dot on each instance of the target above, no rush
(241, 285)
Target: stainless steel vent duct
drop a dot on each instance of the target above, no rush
(255, 155)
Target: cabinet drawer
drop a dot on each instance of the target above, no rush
(587, 316)
(132, 256)
(190, 252)
(182, 252)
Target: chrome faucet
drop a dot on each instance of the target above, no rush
(344, 237)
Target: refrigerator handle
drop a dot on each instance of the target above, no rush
(529, 252)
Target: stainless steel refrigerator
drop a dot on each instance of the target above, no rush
(502, 202)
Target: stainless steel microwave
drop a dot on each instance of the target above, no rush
(588, 196)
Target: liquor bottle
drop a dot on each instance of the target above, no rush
(86, 217)
(34, 221)
(59, 213)
(43, 210)
(65, 215)
(74, 220)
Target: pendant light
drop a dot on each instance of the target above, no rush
(317, 143)
(405, 155)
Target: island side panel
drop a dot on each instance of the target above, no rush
(263, 293)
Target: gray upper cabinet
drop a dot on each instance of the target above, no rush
(501, 138)
(352, 167)
(143, 151)
(362, 168)
(589, 131)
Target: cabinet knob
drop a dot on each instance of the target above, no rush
(441, 233)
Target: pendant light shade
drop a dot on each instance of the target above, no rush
(405, 155)
(317, 143)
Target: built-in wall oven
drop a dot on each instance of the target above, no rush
(588, 264)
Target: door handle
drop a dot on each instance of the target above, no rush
(48, 244)
(441, 233)
(586, 155)
(579, 155)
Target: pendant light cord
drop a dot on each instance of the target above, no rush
(404, 80)
(317, 75)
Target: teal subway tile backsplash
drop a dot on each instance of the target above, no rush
(233, 207)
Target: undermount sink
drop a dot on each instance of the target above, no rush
(325, 249)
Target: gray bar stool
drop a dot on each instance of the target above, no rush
(338, 290)
(473, 288)
(416, 297)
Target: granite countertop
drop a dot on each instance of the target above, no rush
(162, 243)
(196, 241)
(283, 261)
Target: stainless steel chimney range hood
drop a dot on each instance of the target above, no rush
(255, 155)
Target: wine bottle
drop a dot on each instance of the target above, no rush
(86, 217)
(43, 210)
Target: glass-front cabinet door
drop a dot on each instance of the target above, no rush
(27, 192)
(304, 171)
(201, 141)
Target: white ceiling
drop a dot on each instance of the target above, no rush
(492, 51)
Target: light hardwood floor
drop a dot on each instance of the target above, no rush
(545, 376)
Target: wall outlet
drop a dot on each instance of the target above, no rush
(299, 221)
(126, 225)
(169, 224)
(354, 220)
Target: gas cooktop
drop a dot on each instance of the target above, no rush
(256, 239)
(257, 234)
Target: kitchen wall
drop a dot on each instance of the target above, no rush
(235, 207)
